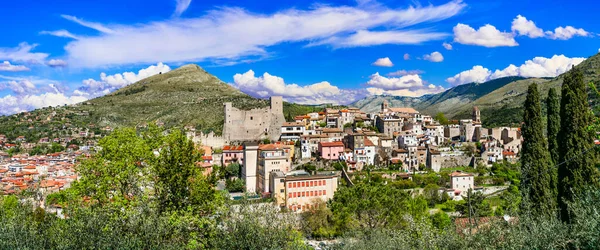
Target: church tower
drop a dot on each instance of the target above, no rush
(384, 106)
(476, 114)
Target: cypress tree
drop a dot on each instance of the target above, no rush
(536, 177)
(553, 110)
(575, 149)
(553, 126)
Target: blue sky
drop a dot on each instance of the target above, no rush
(62, 52)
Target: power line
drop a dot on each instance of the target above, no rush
(557, 165)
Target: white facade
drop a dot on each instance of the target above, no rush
(462, 181)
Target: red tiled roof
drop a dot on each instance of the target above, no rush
(332, 144)
(508, 153)
(455, 174)
(233, 148)
(369, 143)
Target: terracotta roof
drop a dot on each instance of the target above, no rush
(508, 153)
(233, 148)
(292, 124)
(332, 144)
(455, 174)
(404, 110)
(369, 143)
(332, 130)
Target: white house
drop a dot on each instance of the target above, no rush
(462, 181)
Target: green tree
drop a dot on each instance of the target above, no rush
(577, 170)
(176, 172)
(441, 118)
(553, 126)
(431, 193)
(232, 170)
(317, 221)
(369, 205)
(536, 178)
(441, 220)
(119, 171)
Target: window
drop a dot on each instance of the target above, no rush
(324, 192)
(282, 190)
(289, 185)
(320, 192)
(312, 193)
(281, 180)
(302, 184)
(251, 118)
(290, 195)
(303, 194)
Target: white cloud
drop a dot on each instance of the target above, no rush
(407, 85)
(22, 53)
(406, 57)
(7, 66)
(20, 87)
(14, 104)
(487, 36)
(403, 72)
(57, 63)
(383, 62)
(369, 38)
(269, 85)
(92, 25)
(477, 74)
(109, 83)
(60, 33)
(392, 83)
(434, 57)
(536, 67)
(182, 6)
(566, 33)
(447, 46)
(524, 27)
(250, 34)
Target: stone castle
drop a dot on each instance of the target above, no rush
(255, 124)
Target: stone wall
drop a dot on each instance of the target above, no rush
(255, 124)
(210, 139)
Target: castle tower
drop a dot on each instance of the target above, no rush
(276, 104)
(250, 166)
(476, 114)
(384, 106)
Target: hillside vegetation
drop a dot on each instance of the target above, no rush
(500, 100)
(185, 96)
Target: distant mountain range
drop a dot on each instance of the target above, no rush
(500, 100)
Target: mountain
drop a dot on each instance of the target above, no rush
(500, 100)
(185, 96)
(447, 102)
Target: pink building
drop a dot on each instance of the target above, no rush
(331, 150)
(233, 154)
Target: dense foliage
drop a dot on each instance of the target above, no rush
(537, 181)
(577, 170)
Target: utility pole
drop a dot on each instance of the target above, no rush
(470, 212)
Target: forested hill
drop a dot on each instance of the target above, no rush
(185, 96)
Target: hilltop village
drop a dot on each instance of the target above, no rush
(294, 162)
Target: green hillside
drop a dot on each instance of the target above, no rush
(185, 96)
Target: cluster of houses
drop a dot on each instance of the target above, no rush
(355, 139)
(45, 173)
